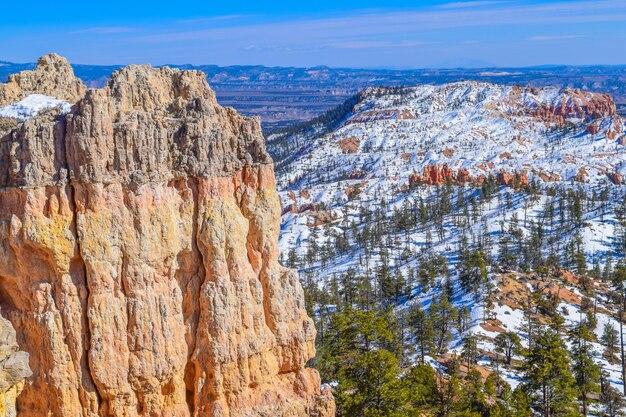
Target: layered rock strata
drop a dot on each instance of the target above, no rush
(139, 260)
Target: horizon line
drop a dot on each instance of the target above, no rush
(363, 68)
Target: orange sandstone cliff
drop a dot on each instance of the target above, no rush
(138, 255)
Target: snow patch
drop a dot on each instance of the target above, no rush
(32, 105)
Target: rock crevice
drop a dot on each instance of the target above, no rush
(138, 240)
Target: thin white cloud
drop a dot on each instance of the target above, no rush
(389, 26)
(211, 19)
(105, 30)
(468, 4)
(377, 44)
(361, 44)
(553, 38)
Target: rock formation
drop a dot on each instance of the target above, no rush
(616, 178)
(573, 103)
(433, 175)
(52, 77)
(138, 256)
(13, 369)
(443, 174)
(440, 175)
(349, 145)
(513, 180)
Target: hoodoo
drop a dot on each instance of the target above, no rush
(138, 253)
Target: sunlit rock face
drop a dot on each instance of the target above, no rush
(138, 256)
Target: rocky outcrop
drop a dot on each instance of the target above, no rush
(572, 104)
(514, 180)
(615, 177)
(439, 175)
(592, 128)
(350, 144)
(53, 77)
(13, 369)
(139, 259)
(544, 176)
(443, 174)
(616, 129)
(432, 175)
(581, 175)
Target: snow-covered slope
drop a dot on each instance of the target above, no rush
(463, 133)
(543, 164)
(478, 128)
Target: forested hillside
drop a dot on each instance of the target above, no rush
(449, 279)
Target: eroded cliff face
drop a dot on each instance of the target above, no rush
(139, 258)
(13, 369)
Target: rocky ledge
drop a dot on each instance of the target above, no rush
(138, 256)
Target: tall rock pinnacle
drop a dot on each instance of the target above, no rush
(138, 254)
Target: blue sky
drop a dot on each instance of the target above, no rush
(338, 33)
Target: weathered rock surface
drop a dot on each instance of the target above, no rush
(139, 260)
(432, 175)
(13, 369)
(53, 76)
(513, 180)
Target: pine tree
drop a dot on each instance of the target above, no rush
(422, 329)
(581, 262)
(292, 259)
(618, 280)
(610, 340)
(606, 273)
(443, 315)
(548, 378)
(586, 371)
(508, 344)
(472, 400)
(463, 319)
(449, 390)
(386, 283)
(352, 332)
(365, 297)
(421, 383)
(470, 350)
(431, 267)
(349, 287)
(370, 386)
(512, 404)
(506, 256)
(474, 271)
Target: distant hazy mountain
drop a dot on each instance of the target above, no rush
(284, 96)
